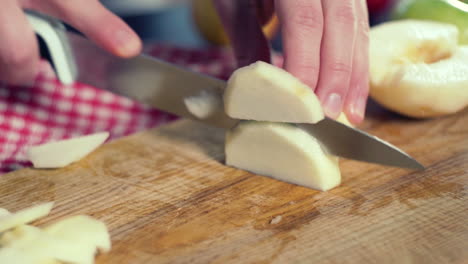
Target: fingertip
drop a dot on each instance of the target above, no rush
(332, 105)
(127, 43)
(355, 110)
(354, 118)
(100, 25)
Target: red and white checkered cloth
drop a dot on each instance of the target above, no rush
(50, 111)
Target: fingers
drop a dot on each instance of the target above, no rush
(19, 55)
(265, 10)
(241, 23)
(336, 59)
(302, 28)
(95, 21)
(355, 103)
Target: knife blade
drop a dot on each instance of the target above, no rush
(166, 86)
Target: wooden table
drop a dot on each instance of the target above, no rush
(167, 197)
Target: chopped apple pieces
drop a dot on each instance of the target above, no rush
(25, 216)
(4, 212)
(264, 92)
(82, 229)
(282, 151)
(32, 241)
(272, 145)
(62, 153)
(417, 69)
(73, 240)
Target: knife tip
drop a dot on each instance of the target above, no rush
(414, 164)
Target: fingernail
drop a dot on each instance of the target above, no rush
(333, 105)
(359, 107)
(128, 43)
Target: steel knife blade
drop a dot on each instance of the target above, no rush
(166, 86)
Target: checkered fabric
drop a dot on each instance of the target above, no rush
(50, 111)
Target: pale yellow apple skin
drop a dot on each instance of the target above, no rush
(417, 68)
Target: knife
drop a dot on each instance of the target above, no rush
(166, 86)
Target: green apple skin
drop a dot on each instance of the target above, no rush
(448, 11)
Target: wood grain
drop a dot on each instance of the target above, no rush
(167, 198)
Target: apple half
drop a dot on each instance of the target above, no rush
(269, 101)
(73, 240)
(417, 68)
(264, 92)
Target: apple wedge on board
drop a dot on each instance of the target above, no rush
(74, 240)
(8, 221)
(282, 151)
(269, 97)
(64, 152)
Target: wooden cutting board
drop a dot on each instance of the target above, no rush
(167, 197)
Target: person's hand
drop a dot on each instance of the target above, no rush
(326, 46)
(19, 55)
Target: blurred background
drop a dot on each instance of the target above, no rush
(194, 23)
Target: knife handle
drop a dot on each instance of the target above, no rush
(54, 45)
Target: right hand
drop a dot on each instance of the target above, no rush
(19, 55)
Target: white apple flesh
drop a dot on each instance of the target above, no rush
(264, 92)
(24, 216)
(34, 242)
(204, 104)
(417, 69)
(82, 229)
(64, 152)
(4, 212)
(73, 240)
(281, 151)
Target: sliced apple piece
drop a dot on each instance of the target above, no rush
(4, 212)
(417, 69)
(25, 216)
(62, 153)
(82, 229)
(264, 92)
(32, 241)
(282, 151)
(204, 104)
(9, 255)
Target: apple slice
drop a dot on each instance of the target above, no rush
(264, 92)
(204, 104)
(81, 229)
(62, 153)
(417, 69)
(25, 216)
(34, 242)
(4, 212)
(282, 151)
(9, 255)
